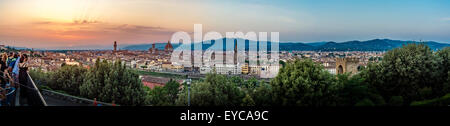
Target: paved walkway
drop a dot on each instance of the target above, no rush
(51, 101)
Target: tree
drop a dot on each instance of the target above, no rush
(248, 101)
(68, 79)
(282, 63)
(365, 102)
(303, 83)
(443, 56)
(164, 96)
(396, 101)
(250, 83)
(404, 73)
(216, 90)
(40, 77)
(113, 82)
(172, 87)
(236, 80)
(352, 90)
(262, 95)
(158, 97)
(201, 95)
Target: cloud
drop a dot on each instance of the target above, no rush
(85, 22)
(138, 29)
(41, 22)
(78, 27)
(75, 33)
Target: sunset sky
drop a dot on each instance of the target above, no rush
(61, 24)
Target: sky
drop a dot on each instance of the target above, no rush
(61, 24)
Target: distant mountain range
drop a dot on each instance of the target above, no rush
(17, 48)
(370, 45)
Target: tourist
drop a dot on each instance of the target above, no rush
(10, 88)
(3, 66)
(11, 79)
(11, 60)
(15, 66)
(95, 101)
(23, 76)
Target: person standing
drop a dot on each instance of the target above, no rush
(15, 71)
(12, 78)
(95, 101)
(3, 72)
(10, 86)
(23, 76)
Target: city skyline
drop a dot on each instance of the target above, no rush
(56, 24)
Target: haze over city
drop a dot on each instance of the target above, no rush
(56, 24)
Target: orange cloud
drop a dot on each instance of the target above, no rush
(82, 33)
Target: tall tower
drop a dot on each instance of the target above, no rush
(115, 46)
(153, 49)
(235, 51)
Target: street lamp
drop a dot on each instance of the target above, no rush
(189, 93)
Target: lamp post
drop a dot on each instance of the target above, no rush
(189, 92)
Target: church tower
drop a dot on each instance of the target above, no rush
(115, 46)
(153, 49)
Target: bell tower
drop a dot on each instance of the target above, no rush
(115, 46)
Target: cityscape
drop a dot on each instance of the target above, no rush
(257, 58)
(156, 60)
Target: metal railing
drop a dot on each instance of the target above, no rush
(27, 94)
(73, 99)
(33, 95)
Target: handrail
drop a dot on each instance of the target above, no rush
(34, 92)
(37, 89)
(84, 100)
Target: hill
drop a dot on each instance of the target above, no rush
(370, 45)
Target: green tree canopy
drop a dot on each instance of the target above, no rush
(443, 56)
(113, 82)
(216, 90)
(68, 79)
(158, 96)
(406, 74)
(303, 83)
